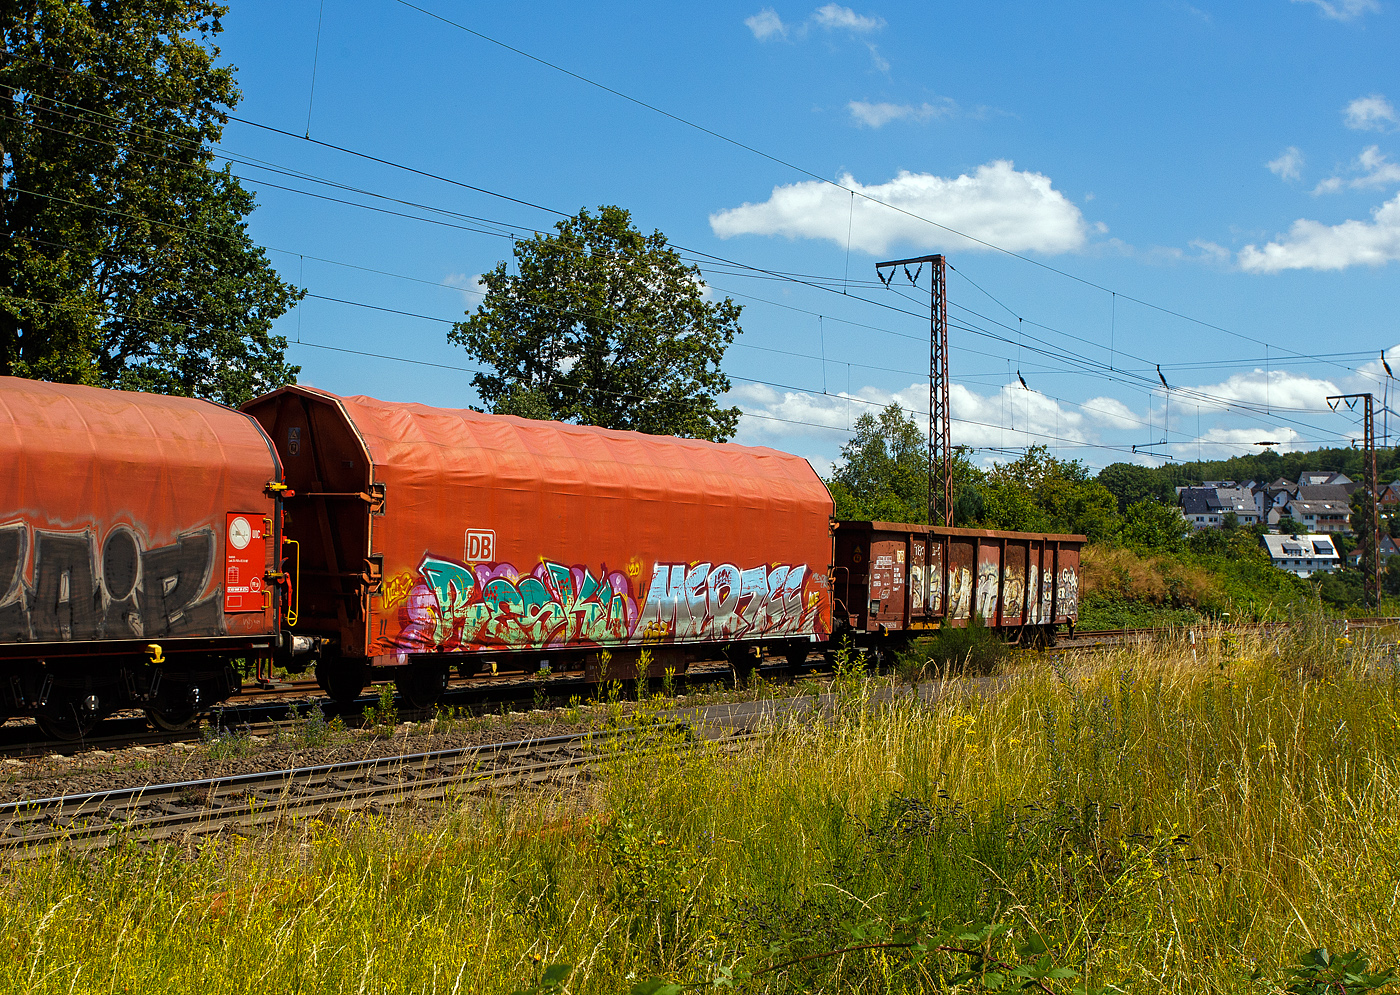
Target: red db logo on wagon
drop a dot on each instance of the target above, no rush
(481, 546)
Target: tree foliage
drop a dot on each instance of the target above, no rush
(126, 260)
(1129, 483)
(1041, 493)
(883, 473)
(1154, 525)
(603, 325)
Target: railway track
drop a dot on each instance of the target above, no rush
(1091, 639)
(247, 801)
(263, 712)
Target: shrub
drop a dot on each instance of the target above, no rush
(975, 649)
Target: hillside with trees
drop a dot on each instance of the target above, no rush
(1145, 564)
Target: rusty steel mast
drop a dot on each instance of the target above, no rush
(940, 456)
(1371, 551)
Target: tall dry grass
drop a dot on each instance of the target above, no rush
(1168, 823)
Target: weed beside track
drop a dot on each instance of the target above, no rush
(1158, 823)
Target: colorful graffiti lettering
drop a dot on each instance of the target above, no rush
(701, 602)
(987, 572)
(1013, 590)
(453, 607)
(960, 592)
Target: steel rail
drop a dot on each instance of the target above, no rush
(245, 800)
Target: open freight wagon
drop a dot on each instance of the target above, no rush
(892, 580)
(427, 538)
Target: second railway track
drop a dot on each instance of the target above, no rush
(245, 801)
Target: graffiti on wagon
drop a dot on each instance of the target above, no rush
(455, 607)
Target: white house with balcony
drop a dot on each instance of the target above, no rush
(1302, 554)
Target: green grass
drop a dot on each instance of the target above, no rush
(1164, 824)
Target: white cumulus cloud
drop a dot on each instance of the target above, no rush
(1344, 10)
(1219, 442)
(1371, 169)
(1373, 113)
(1272, 388)
(1288, 165)
(1111, 411)
(835, 17)
(877, 115)
(1019, 211)
(1012, 417)
(1314, 245)
(766, 24)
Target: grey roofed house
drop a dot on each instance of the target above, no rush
(1275, 495)
(1206, 507)
(1302, 554)
(1320, 516)
(1388, 549)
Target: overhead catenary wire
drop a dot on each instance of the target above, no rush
(507, 197)
(742, 267)
(823, 179)
(1226, 401)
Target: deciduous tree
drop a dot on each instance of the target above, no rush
(603, 325)
(126, 261)
(883, 473)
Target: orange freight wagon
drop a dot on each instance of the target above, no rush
(428, 537)
(136, 534)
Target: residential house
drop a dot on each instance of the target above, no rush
(1330, 515)
(1388, 549)
(1271, 498)
(1205, 507)
(1323, 478)
(1302, 554)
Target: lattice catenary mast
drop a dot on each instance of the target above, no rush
(940, 465)
(1371, 537)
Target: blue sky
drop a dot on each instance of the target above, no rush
(1214, 188)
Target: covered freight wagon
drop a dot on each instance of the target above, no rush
(429, 537)
(896, 578)
(136, 536)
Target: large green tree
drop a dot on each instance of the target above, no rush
(1040, 493)
(883, 473)
(602, 325)
(1130, 483)
(126, 261)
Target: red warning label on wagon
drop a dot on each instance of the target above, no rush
(245, 560)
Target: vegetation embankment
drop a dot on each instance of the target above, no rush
(1145, 564)
(1160, 823)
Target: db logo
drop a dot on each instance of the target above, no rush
(481, 546)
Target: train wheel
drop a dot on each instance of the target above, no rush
(741, 662)
(172, 719)
(343, 680)
(177, 707)
(424, 684)
(69, 722)
(797, 654)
